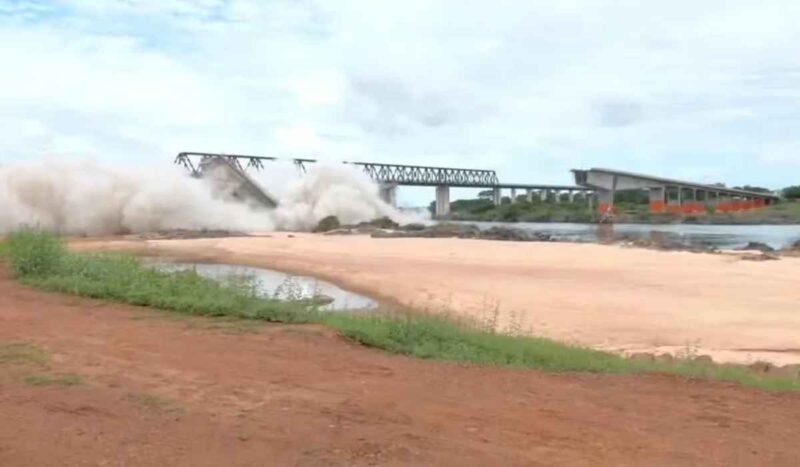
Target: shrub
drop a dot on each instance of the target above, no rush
(33, 252)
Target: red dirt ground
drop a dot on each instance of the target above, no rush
(161, 390)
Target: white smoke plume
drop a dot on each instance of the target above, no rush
(328, 190)
(85, 198)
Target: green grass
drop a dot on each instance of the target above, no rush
(41, 260)
(440, 338)
(63, 380)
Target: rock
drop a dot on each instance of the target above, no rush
(757, 246)
(665, 358)
(761, 257)
(339, 232)
(514, 234)
(663, 244)
(391, 234)
(413, 227)
(445, 230)
(703, 359)
(642, 357)
(384, 223)
(327, 224)
(506, 234)
(761, 367)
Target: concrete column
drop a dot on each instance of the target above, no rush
(442, 200)
(497, 196)
(513, 195)
(658, 199)
(657, 194)
(388, 193)
(529, 195)
(571, 195)
(680, 195)
(557, 196)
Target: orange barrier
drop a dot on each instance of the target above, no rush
(602, 208)
(700, 207)
(658, 206)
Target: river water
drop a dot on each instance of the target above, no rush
(721, 236)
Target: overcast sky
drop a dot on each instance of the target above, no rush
(705, 90)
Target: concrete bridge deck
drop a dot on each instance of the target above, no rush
(668, 195)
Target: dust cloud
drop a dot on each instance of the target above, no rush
(87, 198)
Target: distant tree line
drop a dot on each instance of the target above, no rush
(792, 192)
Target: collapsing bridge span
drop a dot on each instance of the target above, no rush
(390, 176)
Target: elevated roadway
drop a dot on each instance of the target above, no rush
(669, 195)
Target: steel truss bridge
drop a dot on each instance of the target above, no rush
(394, 174)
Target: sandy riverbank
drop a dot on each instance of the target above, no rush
(607, 297)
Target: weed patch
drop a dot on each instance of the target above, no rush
(60, 380)
(22, 353)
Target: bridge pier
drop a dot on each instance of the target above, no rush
(513, 195)
(442, 201)
(497, 196)
(388, 193)
(529, 195)
(605, 201)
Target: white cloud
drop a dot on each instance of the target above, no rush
(529, 88)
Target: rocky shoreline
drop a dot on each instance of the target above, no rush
(386, 228)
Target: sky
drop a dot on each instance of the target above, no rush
(707, 90)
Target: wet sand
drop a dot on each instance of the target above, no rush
(607, 297)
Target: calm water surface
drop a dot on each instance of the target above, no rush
(270, 283)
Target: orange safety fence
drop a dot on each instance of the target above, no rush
(699, 207)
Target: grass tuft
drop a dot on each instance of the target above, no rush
(62, 380)
(33, 252)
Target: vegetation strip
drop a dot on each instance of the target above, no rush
(40, 259)
(629, 206)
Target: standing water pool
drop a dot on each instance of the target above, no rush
(276, 284)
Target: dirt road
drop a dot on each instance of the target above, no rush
(163, 390)
(605, 296)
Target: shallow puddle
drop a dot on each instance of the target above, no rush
(276, 284)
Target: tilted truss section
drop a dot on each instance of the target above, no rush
(384, 173)
(195, 167)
